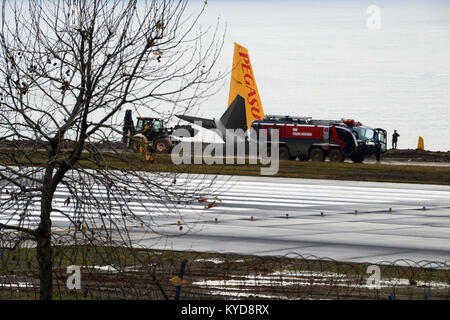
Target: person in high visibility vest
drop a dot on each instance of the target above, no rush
(395, 139)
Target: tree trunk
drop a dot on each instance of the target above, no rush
(44, 256)
(44, 236)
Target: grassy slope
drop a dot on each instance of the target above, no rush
(310, 170)
(292, 169)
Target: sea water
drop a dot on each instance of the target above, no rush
(322, 59)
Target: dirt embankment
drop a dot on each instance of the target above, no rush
(65, 145)
(409, 155)
(399, 155)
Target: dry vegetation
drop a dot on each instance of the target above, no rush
(136, 274)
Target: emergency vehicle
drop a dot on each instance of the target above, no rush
(306, 138)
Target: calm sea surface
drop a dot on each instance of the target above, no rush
(319, 59)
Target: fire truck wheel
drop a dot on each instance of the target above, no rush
(284, 153)
(336, 155)
(317, 155)
(162, 145)
(378, 156)
(357, 158)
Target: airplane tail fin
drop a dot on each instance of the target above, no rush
(235, 117)
(244, 103)
(243, 83)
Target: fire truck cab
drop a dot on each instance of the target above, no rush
(306, 138)
(370, 141)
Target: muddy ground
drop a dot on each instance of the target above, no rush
(411, 155)
(400, 155)
(137, 274)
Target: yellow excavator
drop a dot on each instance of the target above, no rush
(149, 134)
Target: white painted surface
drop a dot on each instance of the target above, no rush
(371, 235)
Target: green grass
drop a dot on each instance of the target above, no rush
(289, 169)
(311, 170)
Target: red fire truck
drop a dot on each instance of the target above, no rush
(306, 138)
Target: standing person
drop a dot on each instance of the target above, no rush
(395, 139)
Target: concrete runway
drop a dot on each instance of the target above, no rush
(276, 216)
(287, 218)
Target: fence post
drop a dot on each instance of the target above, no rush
(124, 294)
(18, 288)
(59, 289)
(3, 288)
(67, 291)
(117, 294)
(26, 288)
(10, 286)
(99, 292)
(181, 276)
(160, 287)
(34, 288)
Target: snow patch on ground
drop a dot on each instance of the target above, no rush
(215, 261)
(238, 286)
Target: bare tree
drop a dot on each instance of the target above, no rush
(68, 69)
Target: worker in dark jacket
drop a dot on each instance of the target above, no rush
(395, 139)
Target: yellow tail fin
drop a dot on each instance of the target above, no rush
(420, 145)
(243, 83)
